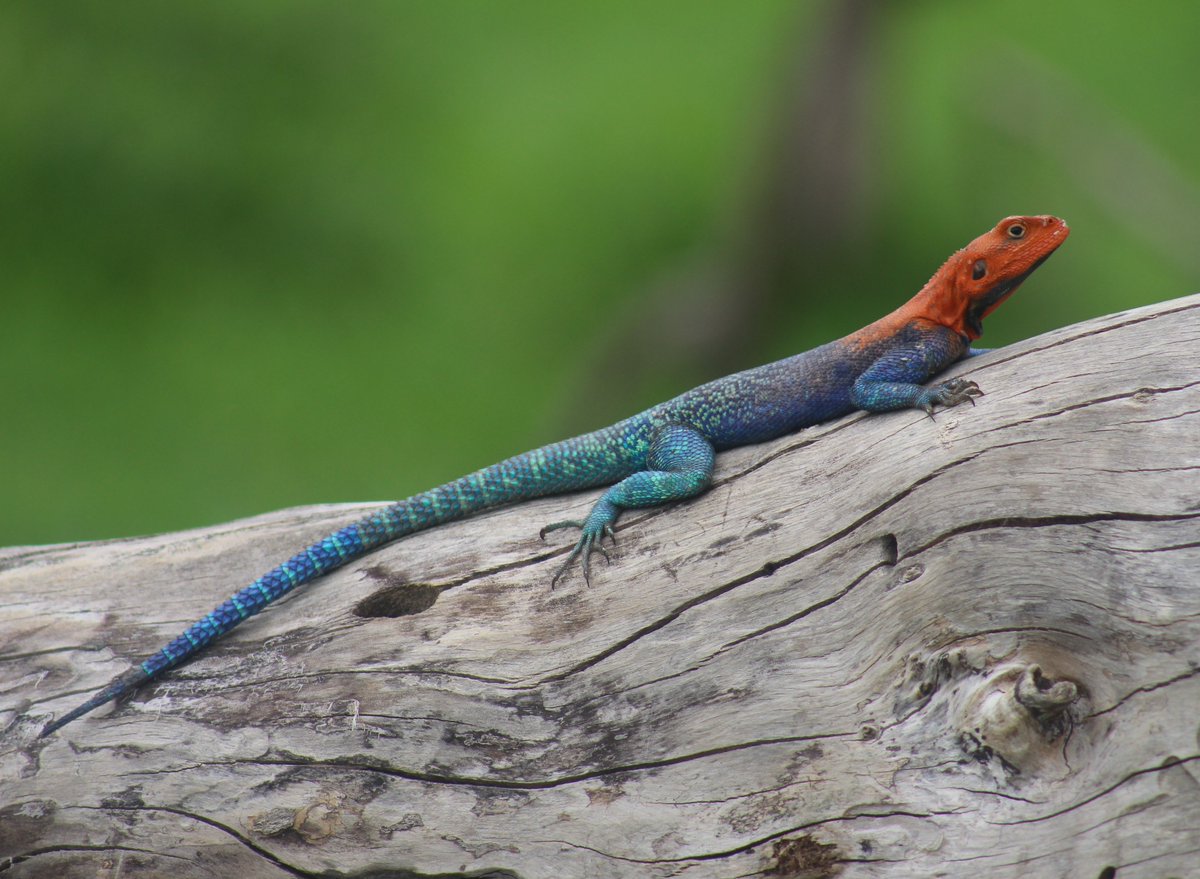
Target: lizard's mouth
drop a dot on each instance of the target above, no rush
(986, 304)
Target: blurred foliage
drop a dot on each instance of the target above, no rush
(264, 254)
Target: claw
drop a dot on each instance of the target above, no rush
(586, 563)
(555, 526)
(566, 564)
(951, 393)
(612, 534)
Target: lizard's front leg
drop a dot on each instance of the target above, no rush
(893, 381)
(679, 465)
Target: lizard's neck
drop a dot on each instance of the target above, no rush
(933, 305)
(939, 302)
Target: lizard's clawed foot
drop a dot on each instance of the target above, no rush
(589, 541)
(950, 393)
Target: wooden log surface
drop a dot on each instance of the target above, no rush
(882, 647)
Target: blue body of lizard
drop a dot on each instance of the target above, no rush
(667, 452)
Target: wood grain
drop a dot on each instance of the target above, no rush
(883, 647)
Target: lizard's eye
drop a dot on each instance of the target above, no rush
(980, 269)
(1016, 230)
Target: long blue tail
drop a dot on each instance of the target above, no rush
(454, 500)
(329, 554)
(403, 517)
(566, 466)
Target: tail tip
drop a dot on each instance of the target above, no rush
(115, 689)
(53, 726)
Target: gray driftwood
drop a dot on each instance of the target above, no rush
(883, 647)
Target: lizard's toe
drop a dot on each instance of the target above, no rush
(950, 393)
(555, 526)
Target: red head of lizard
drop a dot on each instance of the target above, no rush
(976, 279)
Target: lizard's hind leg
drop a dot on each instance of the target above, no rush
(679, 465)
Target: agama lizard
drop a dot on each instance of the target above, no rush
(667, 452)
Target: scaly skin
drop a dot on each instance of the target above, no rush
(667, 452)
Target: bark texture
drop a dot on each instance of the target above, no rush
(883, 647)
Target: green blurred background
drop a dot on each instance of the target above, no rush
(274, 253)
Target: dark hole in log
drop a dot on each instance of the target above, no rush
(398, 601)
(891, 549)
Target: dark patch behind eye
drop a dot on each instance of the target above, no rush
(980, 269)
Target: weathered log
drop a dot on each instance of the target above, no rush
(882, 647)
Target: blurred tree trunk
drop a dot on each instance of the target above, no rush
(800, 209)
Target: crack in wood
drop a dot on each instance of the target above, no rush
(374, 767)
(1099, 401)
(801, 614)
(221, 828)
(1047, 522)
(1136, 774)
(763, 840)
(1148, 688)
(10, 861)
